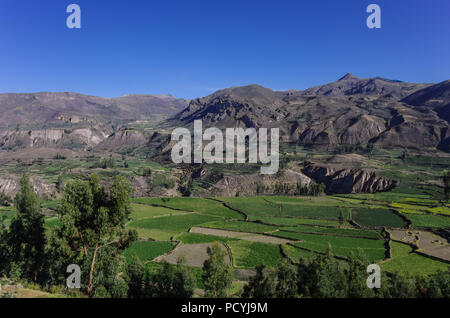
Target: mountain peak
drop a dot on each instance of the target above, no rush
(348, 76)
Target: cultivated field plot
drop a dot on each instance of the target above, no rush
(428, 221)
(341, 246)
(277, 227)
(175, 223)
(242, 226)
(421, 208)
(148, 250)
(142, 211)
(289, 221)
(377, 218)
(335, 231)
(404, 260)
(313, 208)
(206, 206)
(241, 235)
(251, 254)
(294, 253)
(428, 243)
(194, 254)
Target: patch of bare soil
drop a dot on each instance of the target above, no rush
(194, 254)
(252, 237)
(428, 243)
(18, 291)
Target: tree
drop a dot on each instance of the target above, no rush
(400, 286)
(59, 183)
(135, 277)
(26, 237)
(436, 285)
(356, 276)
(262, 285)
(186, 187)
(92, 233)
(286, 280)
(4, 249)
(322, 188)
(404, 155)
(332, 280)
(369, 148)
(147, 172)
(308, 275)
(217, 275)
(171, 281)
(446, 180)
(4, 199)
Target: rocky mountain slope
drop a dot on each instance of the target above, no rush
(75, 121)
(42, 110)
(352, 85)
(351, 111)
(436, 97)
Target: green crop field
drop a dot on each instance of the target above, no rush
(176, 223)
(421, 209)
(335, 231)
(288, 221)
(51, 222)
(314, 222)
(147, 250)
(405, 261)
(205, 206)
(253, 206)
(340, 246)
(428, 221)
(241, 226)
(249, 254)
(142, 211)
(295, 253)
(377, 218)
(196, 238)
(317, 212)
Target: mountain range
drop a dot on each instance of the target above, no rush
(351, 111)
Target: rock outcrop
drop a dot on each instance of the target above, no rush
(81, 138)
(230, 186)
(122, 138)
(348, 180)
(9, 185)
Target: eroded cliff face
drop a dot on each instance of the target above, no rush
(348, 180)
(229, 186)
(53, 138)
(122, 138)
(10, 186)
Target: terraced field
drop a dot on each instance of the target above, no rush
(340, 246)
(263, 230)
(404, 260)
(377, 218)
(148, 250)
(278, 227)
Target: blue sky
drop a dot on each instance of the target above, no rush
(191, 48)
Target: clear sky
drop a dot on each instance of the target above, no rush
(191, 48)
